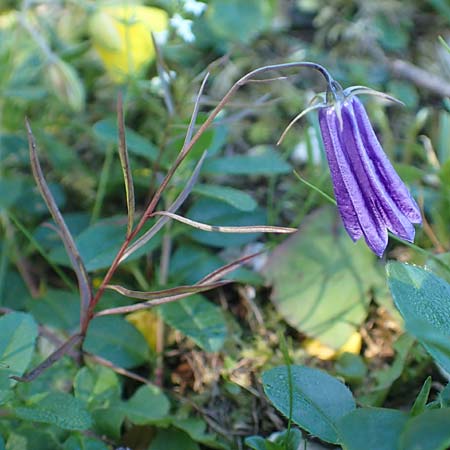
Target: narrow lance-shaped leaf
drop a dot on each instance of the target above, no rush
(172, 208)
(125, 163)
(226, 229)
(190, 130)
(69, 243)
(208, 281)
(156, 301)
(166, 293)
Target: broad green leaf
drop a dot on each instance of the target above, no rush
(196, 429)
(30, 202)
(56, 408)
(234, 197)
(421, 400)
(198, 319)
(214, 212)
(147, 405)
(81, 442)
(319, 400)
(351, 367)
(265, 162)
(108, 421)
(13, 150)
(423, 300)
(97, 386)
(18, 333)
(278, 441)
(10, 190)
(427, 431)
(2, 443)
(371, 429)
(322, 280)
(116, 340)
(99, 244)
(30, 437)
(100, 389)
(173, 439)
(107, 131)
(237, 21)
(58, 309)
(190, 263)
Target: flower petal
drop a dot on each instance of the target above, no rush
(387, 174)
(357, 192)
(394, 219)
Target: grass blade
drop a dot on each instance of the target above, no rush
(125, 164)
(225, 229)
(159, 301)
(172, 208)
(69, 243)
(155, 295)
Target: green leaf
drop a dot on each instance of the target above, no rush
(2, 443)
(319, 400)
(80, 442)
(196, 429)
(30, 437)
(266, 162)
(351, 367)
(324, 294)
(282, 440)
(108, 421)
(57, 408)
(423, 300)
(237, 21)
(444, 397)
(172, 439)
(99, 244)
(214, 212)
(191, 263)
(198, 319)
(58, 309)
(421, 401)
(116, 340)
(18, 333)
(427, 431)
(148, 405)
(97, 386)
(234, 197)
(371, 429)
(100, 389)
(10, 191)
(107, 131)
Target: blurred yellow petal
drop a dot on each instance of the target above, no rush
(146, 323)
(353, 344)
(315, 348)
(121, 36)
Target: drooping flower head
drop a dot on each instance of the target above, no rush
(371, 197)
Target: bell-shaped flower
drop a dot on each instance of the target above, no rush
(371, 197)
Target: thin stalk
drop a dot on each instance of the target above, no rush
(101, 190)
(160, 326)
(182, 155)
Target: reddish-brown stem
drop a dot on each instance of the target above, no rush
(187, 147)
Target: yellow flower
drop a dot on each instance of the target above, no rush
(315, 348)
(121, 36)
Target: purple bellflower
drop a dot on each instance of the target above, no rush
(371, 197)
